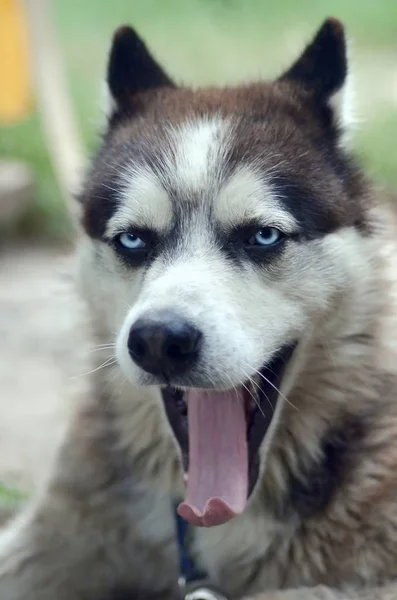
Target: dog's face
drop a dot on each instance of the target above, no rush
(217, 219)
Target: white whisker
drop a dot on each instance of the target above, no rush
(249, 391)
(126, 303)
(255, 399)
(229, 378)
(109, 187)
(108, 362)
(101, 348)
(273, 386)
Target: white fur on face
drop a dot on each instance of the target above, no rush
(143, 203)
(199, 147)
(245, 315)
(246, 197)
(200, 283)
(245, 312)
(191, 163)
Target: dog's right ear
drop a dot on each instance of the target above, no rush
(131, 69)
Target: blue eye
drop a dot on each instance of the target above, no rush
(129, 241)
(268, 236)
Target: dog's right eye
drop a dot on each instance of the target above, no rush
(133, 247)
(267, 236)
(130, 241)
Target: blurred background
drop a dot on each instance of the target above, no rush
(52, 65)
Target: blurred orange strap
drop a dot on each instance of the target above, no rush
(16, 92)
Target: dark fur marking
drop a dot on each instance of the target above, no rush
(99, 197)
(132, 68)
(322, 67)
(311, 212)
(312, 490)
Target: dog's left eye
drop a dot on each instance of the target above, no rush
(268, 236)
(129, 241)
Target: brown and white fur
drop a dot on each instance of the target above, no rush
(190, 167)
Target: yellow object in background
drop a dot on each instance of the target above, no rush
(16, 94)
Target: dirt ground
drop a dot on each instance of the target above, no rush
(40, 366)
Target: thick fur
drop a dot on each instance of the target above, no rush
(191, 167)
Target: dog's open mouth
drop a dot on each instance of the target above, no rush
(219, 433)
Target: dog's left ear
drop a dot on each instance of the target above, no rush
(131, 69)
(322, 71)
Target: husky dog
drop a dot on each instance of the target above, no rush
(238, 253)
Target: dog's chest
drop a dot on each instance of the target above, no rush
(240, 555)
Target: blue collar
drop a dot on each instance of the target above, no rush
(187, 567)
(193, 583)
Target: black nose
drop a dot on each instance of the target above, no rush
(165, 344)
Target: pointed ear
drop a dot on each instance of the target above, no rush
(131, 69)
(322, 71)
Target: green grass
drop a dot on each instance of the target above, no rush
(206, 41)
(10, 497)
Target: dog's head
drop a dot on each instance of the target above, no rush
(221, 221)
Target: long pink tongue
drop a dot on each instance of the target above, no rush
(218, 458)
